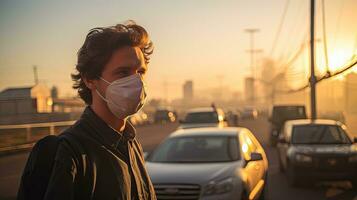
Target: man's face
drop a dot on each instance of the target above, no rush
(124, 62)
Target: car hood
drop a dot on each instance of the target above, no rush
(190, 173)
(325, 149)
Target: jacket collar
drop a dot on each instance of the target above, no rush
(108, 134)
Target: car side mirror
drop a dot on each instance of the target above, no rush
(254, 156)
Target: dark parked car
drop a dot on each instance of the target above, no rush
(279, 115)
(249, 113)
(317, 150)
(165, 115)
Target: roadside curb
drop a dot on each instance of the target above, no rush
(14, 149)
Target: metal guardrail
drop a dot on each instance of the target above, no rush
(28, 136)
(37, 125)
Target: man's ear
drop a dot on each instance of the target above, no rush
(89, 83)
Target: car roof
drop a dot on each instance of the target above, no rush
(208, 131)
(310, 121)
(201, 109)
(288, 105)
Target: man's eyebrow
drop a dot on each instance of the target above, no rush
(123, 67)
(130, 65)
(128, 68)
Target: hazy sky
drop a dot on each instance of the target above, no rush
(199, 40)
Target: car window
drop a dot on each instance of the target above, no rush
(202, 117)
(283, 113)
(319, 134)
(197, 149)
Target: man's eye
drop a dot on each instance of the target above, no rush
(142, 72)
(123, 73)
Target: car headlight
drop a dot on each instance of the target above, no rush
(303, 158)
(218, 187)
(352, 158)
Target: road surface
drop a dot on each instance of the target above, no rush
(151, 135)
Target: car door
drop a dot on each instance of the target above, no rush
(261, 165)
(252, 169)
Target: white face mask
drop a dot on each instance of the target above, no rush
(125, 96)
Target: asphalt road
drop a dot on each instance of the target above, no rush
(11, 167)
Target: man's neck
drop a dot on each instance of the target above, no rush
(109, 118)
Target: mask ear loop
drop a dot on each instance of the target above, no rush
(101, 96)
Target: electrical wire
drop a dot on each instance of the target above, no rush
(324, 35)
(293, 31)
(352, 64)
(282, 20)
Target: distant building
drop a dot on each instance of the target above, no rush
(188, 91)
(25, 100)
(54, 92)
(249, 90)
(351, 93)
(68, 105)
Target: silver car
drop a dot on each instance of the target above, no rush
(209, 163)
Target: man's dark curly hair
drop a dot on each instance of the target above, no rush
(98, 48)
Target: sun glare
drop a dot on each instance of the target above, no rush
(338, 58)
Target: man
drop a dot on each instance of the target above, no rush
(99, 156)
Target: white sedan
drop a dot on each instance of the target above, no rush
(209, 163)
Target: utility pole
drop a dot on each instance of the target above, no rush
(312, 61)
(251, 32)
(35, 74)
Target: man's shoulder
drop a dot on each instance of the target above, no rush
(76, 130)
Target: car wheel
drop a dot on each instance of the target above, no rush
(293, 180)
(273, 140)
(354, 183)
(281, 167)
(244, 195)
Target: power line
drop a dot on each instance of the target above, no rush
(338, 24)
(324, 35)
(293, 33)
(279, 28)
(325, 77)
(295, 56)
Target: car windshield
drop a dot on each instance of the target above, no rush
(162, 113)
(319, 134)
(202, 117)
(281, 114)
(197, 149)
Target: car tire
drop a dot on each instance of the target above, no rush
(244, 195)
(293, 180)
(281, 167)
(273, 140)
(354, 183)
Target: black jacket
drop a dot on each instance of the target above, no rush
(100, 164)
